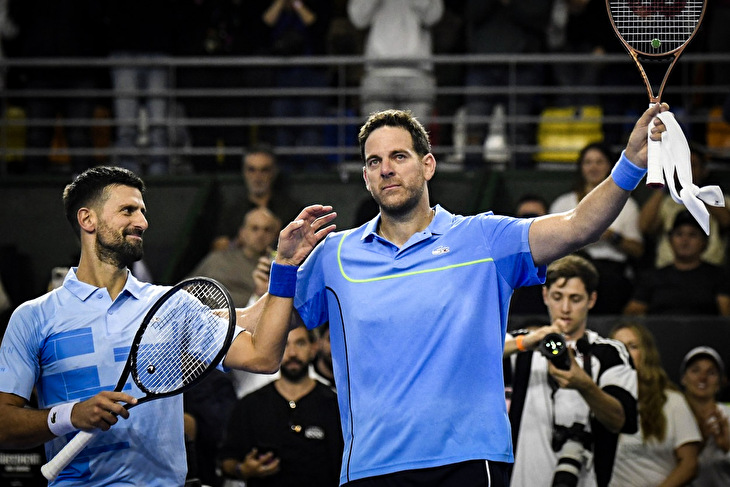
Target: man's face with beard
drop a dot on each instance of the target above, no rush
(394, 173)
(120, 224)
(298, 353)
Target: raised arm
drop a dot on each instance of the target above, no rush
(270, 316)
(554, 236)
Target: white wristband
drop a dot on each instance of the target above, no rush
(59, 419)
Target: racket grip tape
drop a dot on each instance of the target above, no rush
(51, 469)
(654, 175)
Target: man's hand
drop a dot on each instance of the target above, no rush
(101, 411)
(636, 149)
(259, 465)
(299, 237)
(573, 378)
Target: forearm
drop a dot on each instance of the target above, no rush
(528, 341)
(307, 16)
(271, 15)
(22, 427)
(606, 408)
(268, 322)
(686, 468)
(230, 467)
(554, 236)
(649, 221)
(632, 248)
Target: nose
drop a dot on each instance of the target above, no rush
(141, 221)
(386, 168)
(565, 305)
(288, 352)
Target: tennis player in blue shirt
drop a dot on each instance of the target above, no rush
(417, 303)
(71, 345)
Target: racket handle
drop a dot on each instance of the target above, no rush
(654, 173)
(51, 469)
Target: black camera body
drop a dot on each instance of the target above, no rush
(574, 449)
(554, 348)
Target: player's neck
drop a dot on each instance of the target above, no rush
(293, 391)
(102, 275)
(399, 230)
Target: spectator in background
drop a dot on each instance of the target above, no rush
(322, 364)
(206, 406)
(687, 286)
(664, 450)
(288, 432)
(299, 28)
(140, 33)
(234, 266)
(528, 300)
(619, 245)
(397, 29)
(8, 30)
(59, 28)
(702, 375)
(504, 27)
(590, 403)
(264, 189)
(216, 30)
(659, 211)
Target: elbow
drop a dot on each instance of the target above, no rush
(615, 424)
(264, 365)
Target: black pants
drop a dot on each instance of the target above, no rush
(477, 473)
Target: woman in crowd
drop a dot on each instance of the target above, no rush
(664, 450)
(621, 242)
(703, 374)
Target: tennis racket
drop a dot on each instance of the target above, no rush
(655, 31)
(182, 338)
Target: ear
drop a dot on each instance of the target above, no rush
(592, 299)
(365, 177)
(429, 166)
(87, 219)
(544, 295)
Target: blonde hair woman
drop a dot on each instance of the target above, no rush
(664, 450)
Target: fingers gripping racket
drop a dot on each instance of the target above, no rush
(655, 31)
(181, 339)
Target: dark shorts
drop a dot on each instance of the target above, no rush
(466, 474)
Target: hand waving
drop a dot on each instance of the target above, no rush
(299, 237)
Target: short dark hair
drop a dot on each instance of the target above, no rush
(570, 266)
(88, 188)
(395, 118)
(260, 148)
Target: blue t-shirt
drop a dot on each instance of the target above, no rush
(417, 336)
(72, 343)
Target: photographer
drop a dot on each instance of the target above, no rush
(572, 398)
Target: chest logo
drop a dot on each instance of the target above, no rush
(441, 249)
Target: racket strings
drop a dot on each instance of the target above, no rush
(656, 28)
(182, 339)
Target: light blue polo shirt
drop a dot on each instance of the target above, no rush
(417, 336)
(72, 343)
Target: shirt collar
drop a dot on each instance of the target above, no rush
(83, 290)
(438, 226)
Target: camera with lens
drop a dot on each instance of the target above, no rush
(573, 445)
(554, 348)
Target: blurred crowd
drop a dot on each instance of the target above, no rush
(129, 122)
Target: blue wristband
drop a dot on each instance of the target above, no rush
(283, 280)
(626, 174)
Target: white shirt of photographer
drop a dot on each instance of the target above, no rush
(536, 461)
